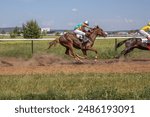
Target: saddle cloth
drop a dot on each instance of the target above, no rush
(144, 40)
(79, 36)
(147, 42)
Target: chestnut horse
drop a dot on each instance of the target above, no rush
(69, 40)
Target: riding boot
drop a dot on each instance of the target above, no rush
(84, 42)
(85, 39)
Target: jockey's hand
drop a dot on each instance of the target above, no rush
(89, 27)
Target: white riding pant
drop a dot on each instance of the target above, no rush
(79, 34)
(145, 34)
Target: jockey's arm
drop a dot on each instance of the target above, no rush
(84, 30)
(88, 27)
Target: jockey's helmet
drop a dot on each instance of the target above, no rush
(86, 22)
(148, 23)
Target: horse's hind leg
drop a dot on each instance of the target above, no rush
(128, 50)
(119, 55)
(72, 54)
(67, 51)
(125, 52)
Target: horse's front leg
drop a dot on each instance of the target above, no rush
(80, 56)
(94, 50)
(84, 53)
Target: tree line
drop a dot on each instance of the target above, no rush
(30, 30)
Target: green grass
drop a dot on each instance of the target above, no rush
(22, 49)
(72, 86)
(76, 86)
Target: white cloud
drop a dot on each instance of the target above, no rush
(47, 23)
(128, 20)
(74, 10)
(117, 23)
(71, 24)
(27, 1)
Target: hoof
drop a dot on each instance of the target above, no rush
(116, 57)
(96, 57)
(79, 60)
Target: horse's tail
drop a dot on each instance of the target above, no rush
(121, 43)
(53, 43)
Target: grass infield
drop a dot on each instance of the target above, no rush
(85, 86)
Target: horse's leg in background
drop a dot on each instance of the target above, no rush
(70, 46)
(138, 46)
(128, 50)
(125, 52)
(84, 53)
(121, 53)
(80, 56)
(94, 50)
(67, 51)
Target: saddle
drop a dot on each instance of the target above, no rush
(146, 42)
(83, 39)
(80, 37)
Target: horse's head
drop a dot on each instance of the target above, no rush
(99, 31)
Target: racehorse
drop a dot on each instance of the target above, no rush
(70, 40)
(131, 44)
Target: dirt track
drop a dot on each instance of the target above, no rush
(51, 64)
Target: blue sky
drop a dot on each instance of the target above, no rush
(65, 14)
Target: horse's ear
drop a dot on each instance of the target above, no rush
(97, 26)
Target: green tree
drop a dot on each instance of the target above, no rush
(13, 35)
(31, 30)
(3, 32)
(44, 33)
(17, 31)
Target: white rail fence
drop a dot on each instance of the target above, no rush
(46, 39)
(50, 39)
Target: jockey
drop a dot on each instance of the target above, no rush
(80, 31)
(144, 31)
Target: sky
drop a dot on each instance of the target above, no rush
(65, 14)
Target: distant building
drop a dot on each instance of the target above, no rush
(45, 29)
(6, 30)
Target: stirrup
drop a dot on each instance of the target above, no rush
(85, 40)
